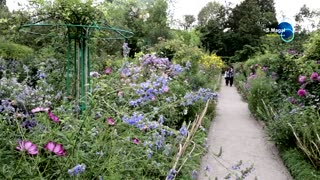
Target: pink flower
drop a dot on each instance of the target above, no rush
(39, 109)
(111, 121)
(314, 76)
(55, 148)
(53, 117)
(302, 79)
(302, 92)
(136, 141)
(27, 146)
(108, 70)
(318, 78)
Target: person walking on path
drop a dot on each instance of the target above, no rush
(231, 74)
(226, 76)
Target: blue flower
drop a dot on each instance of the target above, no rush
(159, 142)
(150, 153)
(41, 75)
(161, 119)
(134, 119)
(171, 174)
(183, 130)
(80, 168)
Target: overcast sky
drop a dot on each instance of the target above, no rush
(287, 8)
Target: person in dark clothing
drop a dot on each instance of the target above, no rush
(230, 75)
(226, 77)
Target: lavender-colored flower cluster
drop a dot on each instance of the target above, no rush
(171, 174)
(202, 94)
(175, 69)
(150, 89)
(152, 60)
(183, 130)
(125, 49)
(80, 168)
(135, 119)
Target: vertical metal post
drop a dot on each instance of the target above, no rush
(82, 65)
(68, 67)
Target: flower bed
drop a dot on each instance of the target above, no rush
(144, 120)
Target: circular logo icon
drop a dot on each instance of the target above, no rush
(285, 31)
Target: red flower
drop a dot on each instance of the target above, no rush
(55, 148)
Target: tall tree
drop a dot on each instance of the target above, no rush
(2, 2)
(211, 23)
(188, 21)
(246, 22)
(212, 11)
(307, 15)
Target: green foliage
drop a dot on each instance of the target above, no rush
(9, 50)
(262, 91)
(298, 165)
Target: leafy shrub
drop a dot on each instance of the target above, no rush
(299, 166)
(262, 92)
(9, 50)
(212, 61)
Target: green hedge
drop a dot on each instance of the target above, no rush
(9, 50)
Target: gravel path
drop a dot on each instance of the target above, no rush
(241, 137)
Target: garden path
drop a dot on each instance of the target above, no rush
(241, 137)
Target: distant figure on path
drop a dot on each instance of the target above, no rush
(226, 76)
(231, 72)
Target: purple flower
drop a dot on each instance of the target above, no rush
(80, 168)
(150, 153)
(41, 75)
(171, 174)
(136, 141)
(161, 119)
(183, 130)
(264, 68)
(133, 120)
(302, 92)
(314, 76)
(302, 79)
(29, 124)
(292, 100)
(292, 52)
(126, 49)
